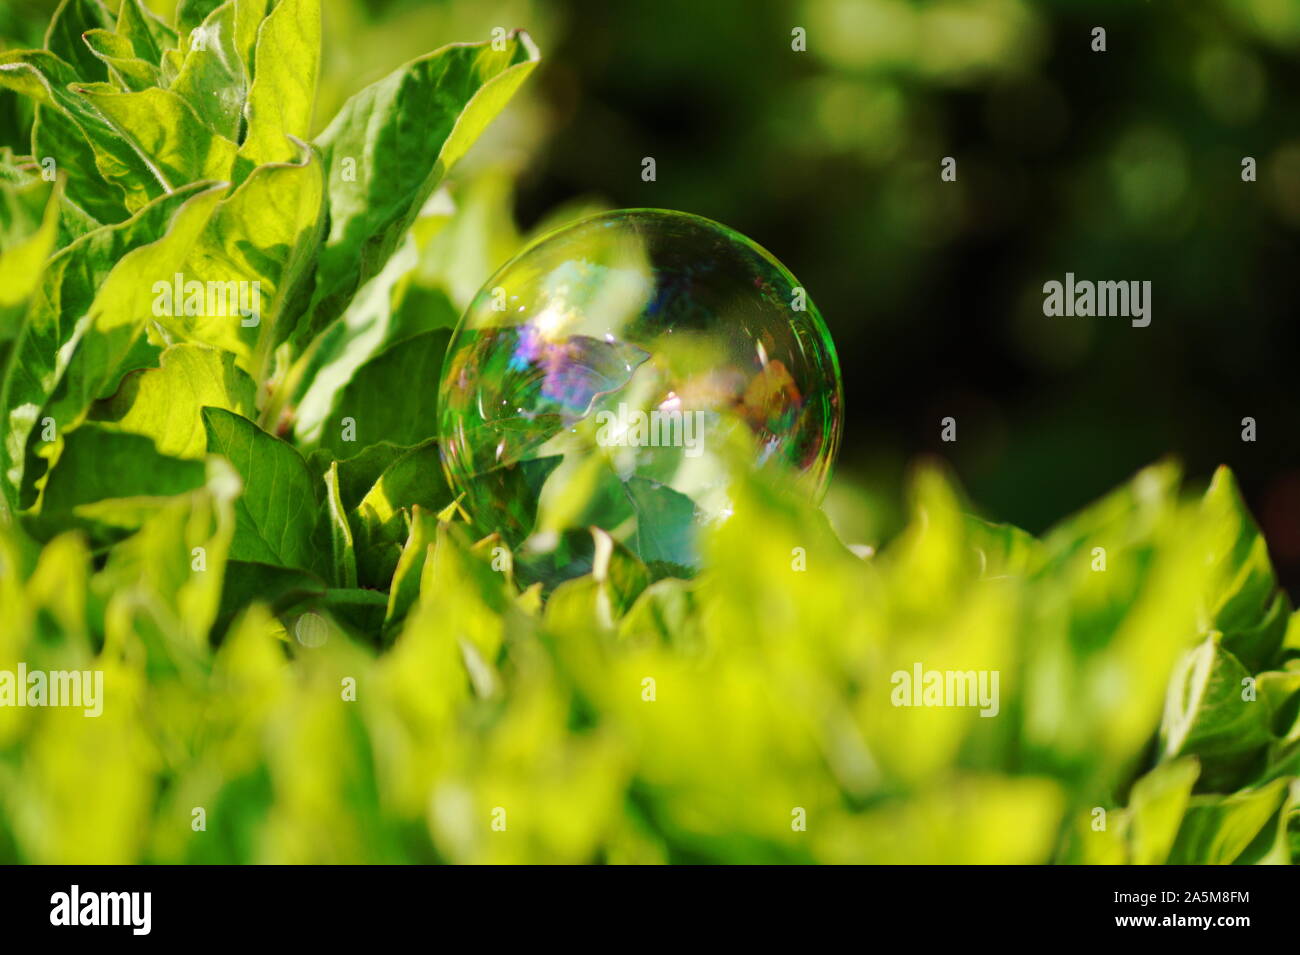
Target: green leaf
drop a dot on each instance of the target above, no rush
(414, 478)
(191, 13)
(125, 69)
(517, 488)
(57, 136)
(164, 403)
(15, 170)
(212, 79)
(283, 93)
(1157, 805)
(358, 335)
(621, 575)
(1217, 830)
(1244, 605)
(357, 474)
(29, 220)
(614, 577)
(343, 558)
(170, 67)
(550, 559)
(393, 397)
(1208, 713)
(249, 15)
(121, 306)
(1103, 643)
(461, 250)
(64, 36)
(266, 233)
(391, 145)
(275, 514)
(280, 588)
(1257, 645)
(74, 223)
(665, 523)
(1280, 689)
(379, 520)
(1004, 551)
(148, 35)
(405, 588)
(123, 475)
(88, 310)
(48, 80)
(359, 609)
(462, 572)
(166, 132)
(451, 249)
(175, 564)
(664, 610)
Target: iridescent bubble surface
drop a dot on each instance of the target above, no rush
(607, 374)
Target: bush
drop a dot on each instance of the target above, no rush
(306, 655)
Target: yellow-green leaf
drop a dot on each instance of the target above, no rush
(391, 145)
(281, 99)
(164, 403)
(166, 132)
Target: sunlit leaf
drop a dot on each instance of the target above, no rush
(276, 512)
(389, 147)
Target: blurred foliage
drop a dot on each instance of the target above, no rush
(346, 675)
(629, 721)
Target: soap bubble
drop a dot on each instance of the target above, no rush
(607, 374)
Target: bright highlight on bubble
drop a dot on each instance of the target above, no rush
(608, 374)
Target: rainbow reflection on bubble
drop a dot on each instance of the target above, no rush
(600, 376)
